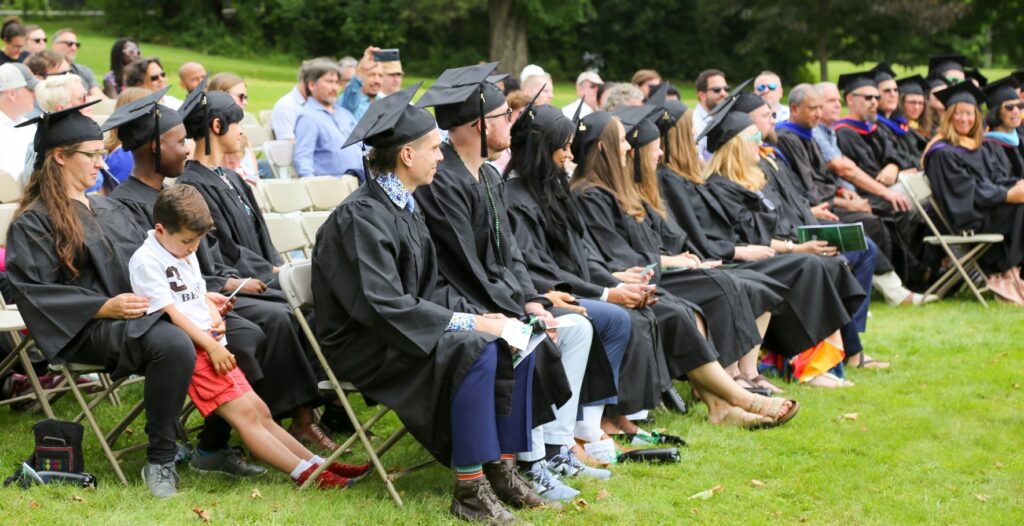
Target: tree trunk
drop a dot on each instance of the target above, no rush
(508, 35)
(821, 46)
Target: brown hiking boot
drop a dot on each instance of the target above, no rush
(311, 436)
(475, 501)
(512, 489)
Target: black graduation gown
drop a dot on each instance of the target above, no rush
(972, 196)
(828, 292)
(278, 368)
(1004, 158)
(58, 309)
(642, 373)
(915, 142)
(684, 347)
(240, 231)
(493, 277)
(900, 152)
(382, 313)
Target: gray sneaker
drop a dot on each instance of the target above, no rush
(228, 461)
(161, 479)
(567, 465)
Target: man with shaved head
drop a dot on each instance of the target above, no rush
(191, 74)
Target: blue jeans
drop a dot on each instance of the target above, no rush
(614, 328)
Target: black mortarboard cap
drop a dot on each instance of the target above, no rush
(748, 102)
(640, 130)
(976, 75)
(732, 96)
(666, 112)
(1019, 75)
(392, 121)
(851, 81)
(1002, 90)
(462, 95)
(962, 92)
(724, 126)
(588, 132)
(915, 84)
(882, 72)
(936, 80)
(495, 79)
(939, 64)
(142, 121)
(61, 128)
(201, 108)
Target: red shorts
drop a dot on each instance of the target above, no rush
(209, 390)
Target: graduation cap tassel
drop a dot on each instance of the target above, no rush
(206, 124)
(156, 136)
(45, 125)
(483, 126)
(636, 165)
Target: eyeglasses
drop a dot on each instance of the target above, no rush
(771, 86)
(94, 156)
(890, 90)
(755, 137)
(719, 89)
(868, 98)
(161, 75)
(69, 43)
(507, 115)
(1014, 106)
(913, 103)
(38, 40)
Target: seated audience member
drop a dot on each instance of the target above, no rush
(16, 99)
(348, 70)
(364, 87)
(949, 68)
(711, 90)
(768, 86)
(645, 79)
(588, 84)
(81, 309)
(35, 38)
(621, 95)
(391, 81)
(892, 126)
(65, 42)
(261, 329)
(191, 74)
(13, 35)
(529, 71)
(165, 271)
(541, 87)
(972, 196)
(322, 126)
(123, 52)
(243, 164)
(120, 161)
(417, 346)
(288, 107)
(913, 98)
(149, 73)
(47, 62)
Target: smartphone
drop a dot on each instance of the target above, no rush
(643, 301)
(386, 55)
(236, 291)
(649, 268)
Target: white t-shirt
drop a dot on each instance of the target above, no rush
(165, 280)
(16, 141)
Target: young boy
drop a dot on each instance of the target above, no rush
(165, 270)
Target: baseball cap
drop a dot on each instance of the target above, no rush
(11, 78)
(590, 76)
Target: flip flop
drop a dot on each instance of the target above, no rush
(761, 378)
(753, 388)
(774, 409)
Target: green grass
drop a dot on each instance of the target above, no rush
(937, 441)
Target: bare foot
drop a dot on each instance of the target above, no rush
(734, 416)
(828, 381)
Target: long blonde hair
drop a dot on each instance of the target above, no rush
(603, 169)
(648, 186)
(683, 157)
(732, 161)
(947, 131)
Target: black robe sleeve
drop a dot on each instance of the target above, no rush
(955, 188)
(749, 224)
(605, 220)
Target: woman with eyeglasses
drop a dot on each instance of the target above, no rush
(975, 193)
(35, 38)
(149, 73)
(123, 52)
(13, 35)
(914, 92)
(243, 163)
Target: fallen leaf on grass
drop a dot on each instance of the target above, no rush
(129, 431)
(202, 514)
(708, 493)
(580, 504)
(1016, 386)
(756, 483)
(851, 416)
(1000, 465)
(603, 494)
(33, 504)
(777, 513)
(275, 507)
(76, 498)
(256, 494)
(982, 498)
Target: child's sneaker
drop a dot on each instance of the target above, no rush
(349, 471)
(326, 480)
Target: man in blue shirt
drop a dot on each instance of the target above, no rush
(322, 127)
(365, 85)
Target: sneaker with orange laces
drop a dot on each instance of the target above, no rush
(326, 480)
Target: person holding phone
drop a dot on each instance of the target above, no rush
(366, 85)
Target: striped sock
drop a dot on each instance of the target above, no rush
(470, 472)
(508, 456)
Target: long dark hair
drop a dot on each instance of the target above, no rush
(47, 187)
(549, 184)
(117, 62)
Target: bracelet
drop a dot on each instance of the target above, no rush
(789, 247)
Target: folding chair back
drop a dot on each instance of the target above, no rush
(328, 191)
(256, 135)
(286, 233)
(104, 107)
(279, 155)
(963, 249)
(10, 188)
(284, 196)
(311, 222)
(265, 116)
(6, 216)
(248, 119)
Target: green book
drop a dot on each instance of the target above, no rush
(847, 237)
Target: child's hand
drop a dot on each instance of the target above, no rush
(223, 360)
(218, 329)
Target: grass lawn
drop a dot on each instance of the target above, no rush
(936, 440)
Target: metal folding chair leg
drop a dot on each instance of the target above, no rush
(87, 412)
(20, 353)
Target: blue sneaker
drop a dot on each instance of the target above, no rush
(547, 484)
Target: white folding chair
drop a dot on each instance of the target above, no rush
(296, 282)
(6, 216)
(104, 107)
(256, 134)
(327, 191)
(248, 119)
(279, 155)
(311, 222)
(286, 195)
(286, 233)
(10, 190)
(265, 116)
(12, 324)
(963, 250)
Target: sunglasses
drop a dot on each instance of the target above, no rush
(953, 81)
(69, 43)
(243, 97)
(771, 86)
(1014, 106)
(868, 98)
(38, 40)
(718, 89)
(161, 75)
(507, 115)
